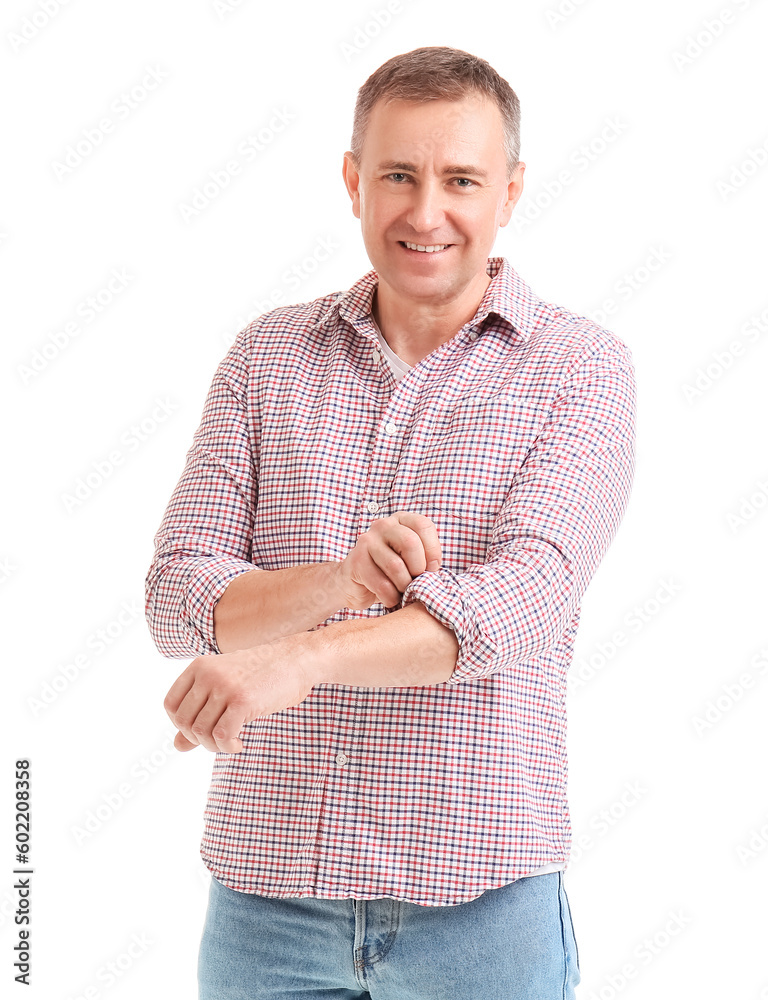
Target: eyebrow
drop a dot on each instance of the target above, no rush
(462, 169)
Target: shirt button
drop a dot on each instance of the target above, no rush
(372, 506)
(341, 758)
(376, 356)
(390, 427)
(473, 335)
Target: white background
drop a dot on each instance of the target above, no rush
(668, 881)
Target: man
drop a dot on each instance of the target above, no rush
(378, 547)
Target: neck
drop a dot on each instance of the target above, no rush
(413, 329)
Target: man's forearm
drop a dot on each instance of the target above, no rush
(215, 696)
(406, 648)
(263, 605)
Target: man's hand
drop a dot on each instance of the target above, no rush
(216, 695)
(387, 557)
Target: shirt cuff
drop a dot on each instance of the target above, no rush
(206, 586)
(180, 601)
(453, 603)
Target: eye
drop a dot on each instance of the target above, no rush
(397, 177)
(464, 182)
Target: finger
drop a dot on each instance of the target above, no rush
(181, 742)
(378, 580)
(227, 729)
(427, 532)
(178, 691)
(387, 575)
(206, 721)
(399, 551)
(185, 716)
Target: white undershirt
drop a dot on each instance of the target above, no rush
(398, 366)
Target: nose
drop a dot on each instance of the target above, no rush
(426, 212)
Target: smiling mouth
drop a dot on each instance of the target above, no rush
(428, 248)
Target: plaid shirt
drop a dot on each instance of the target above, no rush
(516, 437)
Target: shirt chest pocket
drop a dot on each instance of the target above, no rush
(464, 534)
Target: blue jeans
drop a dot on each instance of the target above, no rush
(512, 943)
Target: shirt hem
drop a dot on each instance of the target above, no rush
(427, 899)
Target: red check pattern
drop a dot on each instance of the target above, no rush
(516, 437)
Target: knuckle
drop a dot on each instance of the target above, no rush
(391, 563)
(412, 543)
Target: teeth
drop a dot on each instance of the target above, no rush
(434, 249)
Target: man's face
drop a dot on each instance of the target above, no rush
(432, 174)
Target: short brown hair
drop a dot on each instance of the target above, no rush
(432, 73)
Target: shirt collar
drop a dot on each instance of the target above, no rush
(507, 296)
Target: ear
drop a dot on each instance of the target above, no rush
(514, 191)
(352, 181)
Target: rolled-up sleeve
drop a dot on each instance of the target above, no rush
(205, 537)
(553, 529)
